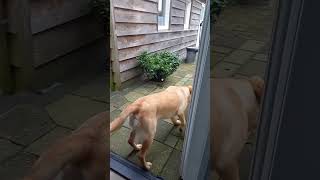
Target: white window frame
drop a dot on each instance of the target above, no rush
(166, 15)
(195, 153)
(187, 14)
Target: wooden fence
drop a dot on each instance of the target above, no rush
(44, 40)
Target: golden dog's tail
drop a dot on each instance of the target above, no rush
(117, 123)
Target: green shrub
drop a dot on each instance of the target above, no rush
(158, 66)
(216, 7)
(101, 10)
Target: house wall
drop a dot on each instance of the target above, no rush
(63, 34)
(136, 30)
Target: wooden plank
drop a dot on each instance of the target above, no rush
(138, 5)
(5, 74)
(154, 1)
(126, 75)
(128, 64)
(180, 46)
(138, 40)
(178, 5)
(175, 27)
(194, 27)
(194, 22)
(135, 51)
(20, 43)
(115, 67)
(123, 29)
(129, 16)
(48, 14)
(177, 12)
(195, 16)
(197, 4)
(195, 10)
(177, 20)
(179, 49)
(65, 38)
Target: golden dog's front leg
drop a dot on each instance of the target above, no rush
(183, 121)
(175, 121)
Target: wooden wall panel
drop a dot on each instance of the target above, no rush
(138, 40)
(178, 4)
(177, 20)
(135, 51)
(138, 5)
(177, 12)
(63, 39)
(46, 14)
(128, 16)
(175, 27)
(137, 31)
(124, 29)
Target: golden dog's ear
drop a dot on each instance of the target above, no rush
(190, 89)
(258, 85)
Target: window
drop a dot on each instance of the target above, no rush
(164, 13)
(187, 14)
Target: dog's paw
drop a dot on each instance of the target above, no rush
(148, 165)
(138, 147)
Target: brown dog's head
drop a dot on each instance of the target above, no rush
(258, 86)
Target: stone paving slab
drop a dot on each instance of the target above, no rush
(17, 167)
(261, 57)
(253, 68)
(42, 144)
(158, 155)
(171, 140)
(163, 130)
(224, 69)
(25, 123)
(96, 89)
(252, 45)
(172, 167)
(117, 100)
(239, 57)
(119, 142)
(132, 96)
(71, 111)
(8, 149)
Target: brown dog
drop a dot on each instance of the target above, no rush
(83, 155)
(235, 107)
(146, 111)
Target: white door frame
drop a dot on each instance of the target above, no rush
(195, 154)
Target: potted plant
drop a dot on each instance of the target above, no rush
(158, 66)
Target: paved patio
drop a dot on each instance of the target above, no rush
(165, 152)
(31, 121)
(240, 46)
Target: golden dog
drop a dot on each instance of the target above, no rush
(79, 156)
(235, 107)
(144, 113)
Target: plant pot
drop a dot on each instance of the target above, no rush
(191, 54)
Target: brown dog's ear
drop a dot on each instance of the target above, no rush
(190, 89)
(258, 86)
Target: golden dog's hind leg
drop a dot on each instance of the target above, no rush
(143, 153)
(136, 147)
